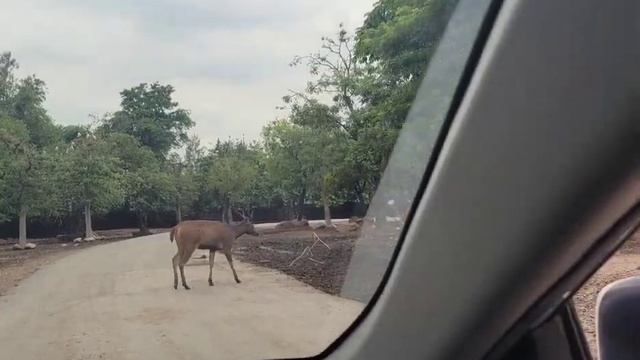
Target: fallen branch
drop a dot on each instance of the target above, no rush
(318, 239)
(276, 250)
(316, 261)
(309, 251)
(300, 256)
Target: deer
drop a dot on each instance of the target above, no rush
(207, 235)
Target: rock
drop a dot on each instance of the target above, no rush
(350, 227)
(293, 224)
(77, 240)
(355, 219)
(89, 239)
(325, 227)
(68, 237)
(26, 246)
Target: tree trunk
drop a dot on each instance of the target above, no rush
(301, 197)
(88, 228)
(291, 210)
(144, 229)
(227, 217)
(327, 210)
(22, 227)
(361, 206)
(229, 214)
(178, 213)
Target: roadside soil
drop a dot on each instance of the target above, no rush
(16, 265)
(323, 266)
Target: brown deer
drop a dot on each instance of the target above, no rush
(208, 235)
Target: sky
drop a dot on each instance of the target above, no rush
(227, 59)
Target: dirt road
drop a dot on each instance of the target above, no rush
(117, 302)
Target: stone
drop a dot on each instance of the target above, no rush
(26, 246)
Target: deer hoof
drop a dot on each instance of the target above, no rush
(238, 281)
(186, 287)
(210, 283)
(175, 286)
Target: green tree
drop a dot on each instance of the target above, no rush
(147, 186)
(26, 177)
(336, 71)
(324, 149)
(92, 178)
(149, 114)
(7, 82)
(149, 189)
(287, 159)
(183, 180)
(27, 107)
(397, 40)
(232, 172)
(26, 168)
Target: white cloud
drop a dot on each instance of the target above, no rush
(227, 59)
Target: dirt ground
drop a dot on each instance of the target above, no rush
(324, 266)
(18, 265)
(117, 301)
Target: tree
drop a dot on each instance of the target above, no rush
(324, 149)
(149, 114)
(231, 174)
(92, 178)
(397, 40)
(7, 82)
(26, 169)
(27, 107)
(147, 187)
(335, 70)
(182, 177)
(287, 149)
(26, 177)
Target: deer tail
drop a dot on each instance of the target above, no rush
(172, 234)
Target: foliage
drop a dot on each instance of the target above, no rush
(26, 179)
(147, 186)
(92, 174)
(231, 172)
(397, 40)
(26, 168)
(149, 114)
(182, 176)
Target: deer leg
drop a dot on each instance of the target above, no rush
(174, 263)
(212, 253)
(184, 282)
(184, 257)
(230, 260)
